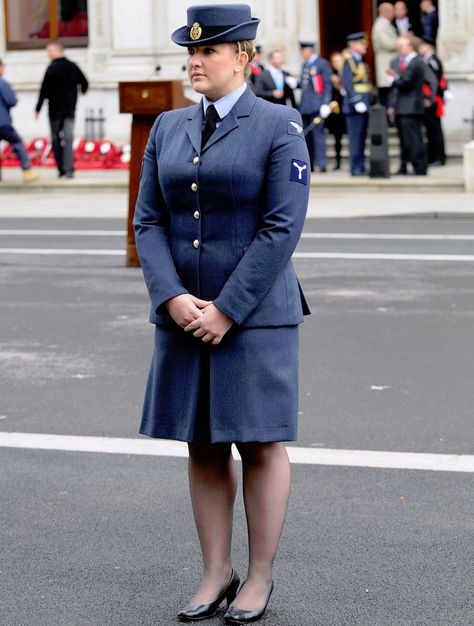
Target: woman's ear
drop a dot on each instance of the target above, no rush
(242, 61)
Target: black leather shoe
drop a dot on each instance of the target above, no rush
(240, 616)
(197, 612)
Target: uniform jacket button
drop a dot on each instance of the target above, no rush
(196, 215)
(194, 187)
(196, 160)
(196, 243)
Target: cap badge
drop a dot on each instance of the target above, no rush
(196, 31)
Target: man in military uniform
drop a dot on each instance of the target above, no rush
(357, 98)
(314, 107)
(434, 113)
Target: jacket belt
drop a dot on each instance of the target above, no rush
(363, 88)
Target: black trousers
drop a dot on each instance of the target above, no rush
(62, 137)
(434, 135)
(412, 146)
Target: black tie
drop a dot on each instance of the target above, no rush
(212, 117)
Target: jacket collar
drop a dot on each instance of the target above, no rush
(195, 121)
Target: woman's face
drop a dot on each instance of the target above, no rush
(337, 61)
(216, 70)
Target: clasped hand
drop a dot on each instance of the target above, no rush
(201, 317)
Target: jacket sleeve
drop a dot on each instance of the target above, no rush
(348, 85)
(151, 231)
(326, 72)
(407, 81)
(7, 94)
(283, 215)
(432, 81)
(82, 80)
(262, 87)
(45, 90)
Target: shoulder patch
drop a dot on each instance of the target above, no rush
(295, 128)
(299, 172)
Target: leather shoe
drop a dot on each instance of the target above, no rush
(234, 615)
(197, 612)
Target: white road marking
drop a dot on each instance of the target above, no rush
(359, 236)
(361, 256)
(62, 233)
(395, 236)
(305, 456)
(383, 256)
(61, 251)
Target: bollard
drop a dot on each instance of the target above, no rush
(88, 131)
(378, 134)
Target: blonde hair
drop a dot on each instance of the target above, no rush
(249, 48)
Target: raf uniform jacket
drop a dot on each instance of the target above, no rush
(406, 94)
(311, 101)
(356, 84)
(222, 223)
(265, 86)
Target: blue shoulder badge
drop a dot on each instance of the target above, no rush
(295, 128)
(299, 172)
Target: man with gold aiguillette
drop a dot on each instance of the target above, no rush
(357, 98)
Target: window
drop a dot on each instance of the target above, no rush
(32, 23)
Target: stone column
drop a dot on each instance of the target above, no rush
(456, 50)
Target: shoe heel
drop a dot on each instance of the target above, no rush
(232, 591)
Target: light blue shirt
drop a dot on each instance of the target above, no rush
(278, 77)
(224, 104)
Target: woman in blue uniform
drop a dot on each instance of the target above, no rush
(222, 202)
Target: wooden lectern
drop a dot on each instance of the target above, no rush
(145, 100)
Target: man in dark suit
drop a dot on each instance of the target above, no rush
(434, 113)
(406, 102)
(274, 84)
(430, 19)
(314, 107)
(402, 21)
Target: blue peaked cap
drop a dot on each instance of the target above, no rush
(216, 23)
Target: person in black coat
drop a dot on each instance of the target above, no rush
(60, 87)
(430, 19)
(274, 84)
(256, 66)
(406, 102)
(434, 113)
(336, 123)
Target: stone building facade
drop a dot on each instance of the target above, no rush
(127, 40)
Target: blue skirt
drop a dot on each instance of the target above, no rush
(243, 390)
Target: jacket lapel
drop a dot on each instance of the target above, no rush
(194, 126)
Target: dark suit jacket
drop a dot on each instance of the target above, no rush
(222, 222)
(406, 93)
(265, 86)
(430, 25)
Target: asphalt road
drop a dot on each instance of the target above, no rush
(387, 363)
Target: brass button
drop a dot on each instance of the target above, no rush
(196, 243)
(196, 160)
(196, 215)
(194, 187)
